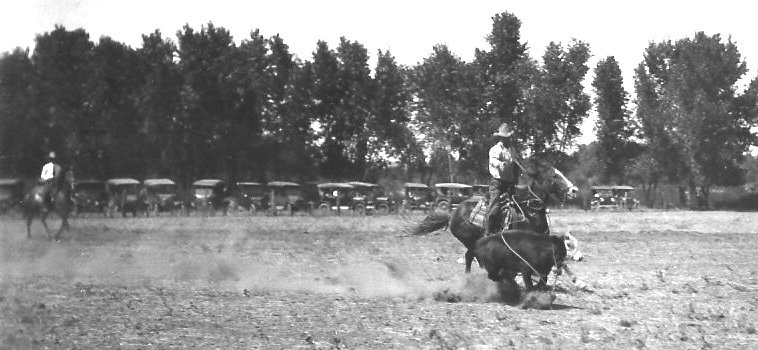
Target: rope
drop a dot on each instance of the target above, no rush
(502, 236)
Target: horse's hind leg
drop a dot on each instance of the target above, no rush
(469, 259)
(29, 220)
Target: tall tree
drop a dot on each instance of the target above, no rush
(62, 62)
(447, 99)
(390, 135)
(110, 122)
(207, 99)
(351, 123)
(500, 67)
(159, 104)
(613, 126)
(504, 77)
(327, 96)
(660, 159)
(695, 81)
(250, 109)
(20, 136)
(561, 103)
(300, 149)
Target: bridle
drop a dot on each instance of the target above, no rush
(530, 207)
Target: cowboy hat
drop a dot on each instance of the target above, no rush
(503, 131)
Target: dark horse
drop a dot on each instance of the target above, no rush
(546, 185)
(34, 205)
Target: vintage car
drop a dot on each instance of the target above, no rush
(11, 194)
(612, 197)
(286, 197)
(89, 196)
(162, 195)
(209, 195)
(124, 195)
(449, 194)
(372, 196)
(417, 196)
(248, 196)
(338, 197)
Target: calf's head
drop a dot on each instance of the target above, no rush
(572, 247)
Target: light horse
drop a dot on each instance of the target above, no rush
(33, 205)
(545, 186)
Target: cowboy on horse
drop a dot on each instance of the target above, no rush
(505, 171)
(50, 178)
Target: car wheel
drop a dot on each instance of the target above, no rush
(290, 210)
(253, 209)
(444, 206)
(360, 209)
(323, 209)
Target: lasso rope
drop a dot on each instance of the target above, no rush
(502, 236)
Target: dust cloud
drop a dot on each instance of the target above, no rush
(97, 255)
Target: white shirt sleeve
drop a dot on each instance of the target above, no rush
(495, 162)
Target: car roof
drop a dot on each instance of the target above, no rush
(362, 184)
(156, 182)
(607, 187)
(334, 185)
(282, 184)
(248, 183)
(122, 181)
(415, 185)
(207, 182)
(451, 185)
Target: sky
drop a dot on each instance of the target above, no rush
(408, 29)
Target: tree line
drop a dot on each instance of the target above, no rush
(203, 106)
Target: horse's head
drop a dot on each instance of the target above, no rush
(563, 184)
(552, 182)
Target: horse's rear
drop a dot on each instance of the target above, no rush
(34, 206)
(461, 226)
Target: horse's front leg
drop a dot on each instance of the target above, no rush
(43, 219)
(64, 226)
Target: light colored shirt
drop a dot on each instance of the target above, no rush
(48, 171)
(500, 157)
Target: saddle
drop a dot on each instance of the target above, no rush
(511, 212)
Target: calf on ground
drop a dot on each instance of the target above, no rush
(503, 256)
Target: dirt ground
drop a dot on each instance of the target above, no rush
(651, 279)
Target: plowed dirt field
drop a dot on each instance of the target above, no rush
(650, 279)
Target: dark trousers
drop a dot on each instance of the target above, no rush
(497, 188)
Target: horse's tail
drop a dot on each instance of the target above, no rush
(432, 222)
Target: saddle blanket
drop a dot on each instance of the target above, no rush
(479, 215)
